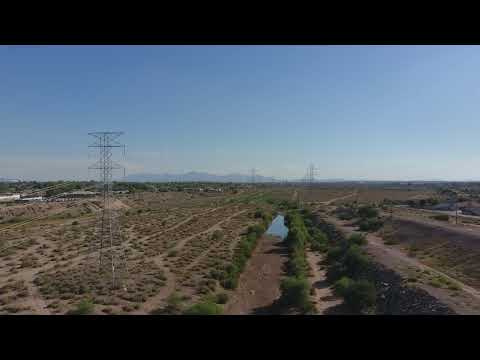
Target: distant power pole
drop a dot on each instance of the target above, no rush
(311, 174)
(108, 238)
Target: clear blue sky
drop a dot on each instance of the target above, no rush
(356, 112)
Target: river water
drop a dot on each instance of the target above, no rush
(277, 227)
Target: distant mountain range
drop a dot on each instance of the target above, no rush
(5, 180)
(194, 176)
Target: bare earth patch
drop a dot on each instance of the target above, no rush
(259, 285)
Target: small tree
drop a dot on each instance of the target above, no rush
(342, 286)
(357, 239)
(204, 308)
(84, 307)
(360, 295)
(367, 211)
(295, 293)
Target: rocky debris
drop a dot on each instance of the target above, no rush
(396, 298)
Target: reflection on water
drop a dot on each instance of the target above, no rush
(278, 228)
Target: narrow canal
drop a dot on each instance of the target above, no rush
(278, 228)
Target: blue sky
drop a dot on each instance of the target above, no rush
(356, 112)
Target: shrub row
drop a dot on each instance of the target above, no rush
(295, 288)
(348, 269)
(229, 276)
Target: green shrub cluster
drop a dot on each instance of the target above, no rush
(441, 217)
(318, 240)
(348, 269)
(297, 240)
(358, 294)
(204, 308)
(295, 289)
(347, 259)
(296, 293)
(358, 239)
(369, 224)
(367, 212)
(84, 307)
(346, 212)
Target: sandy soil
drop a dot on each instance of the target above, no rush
(259, 285)
(323, 298)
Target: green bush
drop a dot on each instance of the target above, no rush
(372, 224)
(229, 278)
(84, 307)
(323, 248)
(335, 271)
(222, 298)
(342, 286)
(318, 240)
(297, 264)
(367, 212)
(258, 214)
(174, 306)
(346, 213)
(360, 295)
(441, 217)
(355, 261)
(295, 293)
(334, 254)
(217, 235)
(204, 308)
(357, 239)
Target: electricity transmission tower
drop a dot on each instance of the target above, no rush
(108, 238)
(310, 178)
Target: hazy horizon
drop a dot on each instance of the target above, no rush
(388, 113)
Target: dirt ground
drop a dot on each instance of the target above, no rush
(259, 285)
(168, 242)
(377, 195)
(170, 248)
(453, 249)
(323, 297)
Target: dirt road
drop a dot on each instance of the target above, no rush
(339, 198)
(259, 285)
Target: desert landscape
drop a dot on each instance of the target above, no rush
(189, 252)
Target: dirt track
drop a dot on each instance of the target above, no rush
(259, 285)
(323, 298)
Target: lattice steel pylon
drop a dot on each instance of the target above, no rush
(108, 240)
(311, 174)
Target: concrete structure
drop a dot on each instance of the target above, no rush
(9, 197)
(30, 199)
(443, 206)
(78, 194)
(471, 211)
